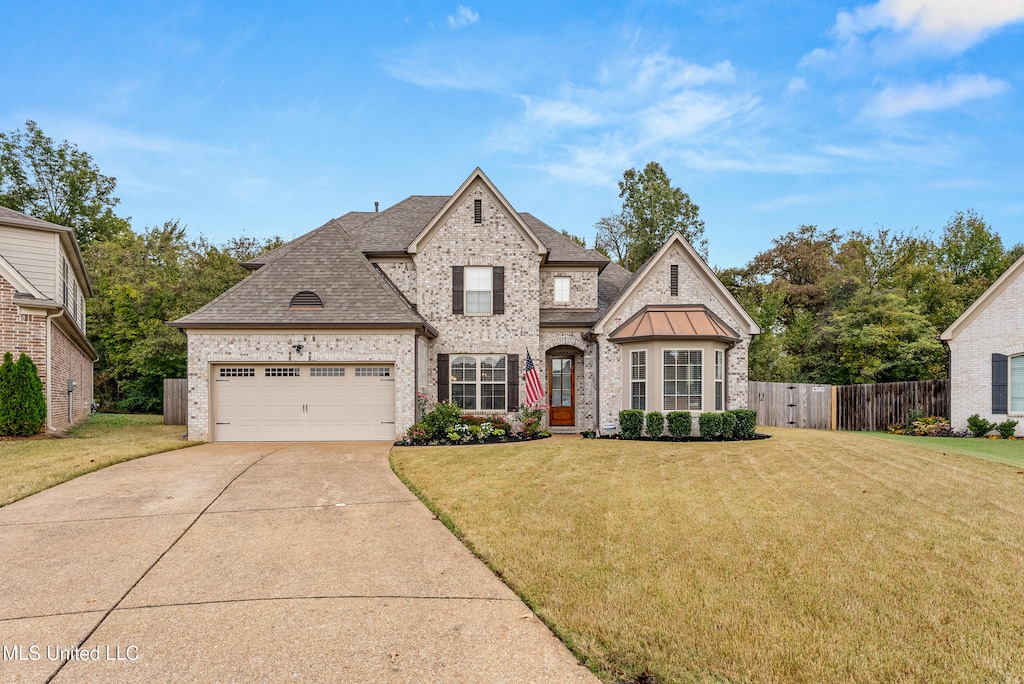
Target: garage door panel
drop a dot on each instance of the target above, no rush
(323, 402)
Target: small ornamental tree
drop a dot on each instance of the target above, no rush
(22, 402)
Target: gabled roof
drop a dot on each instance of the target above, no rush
(562, 250)
(691, 321)
(987, 297)
(10, 217)
(478, 176)
(327, 262)
(707, 276)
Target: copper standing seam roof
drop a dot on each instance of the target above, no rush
(692, 321)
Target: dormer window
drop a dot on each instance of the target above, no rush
(306, 300)
(562, 284)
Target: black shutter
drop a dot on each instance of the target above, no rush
(442, 377)
(512, 367)
(999, 384)
(498, 293)
(458, 298)
(673, 281)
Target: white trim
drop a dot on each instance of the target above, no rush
(982, 302)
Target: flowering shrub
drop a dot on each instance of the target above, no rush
(443, 423)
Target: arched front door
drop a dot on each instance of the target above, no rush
(562, 390)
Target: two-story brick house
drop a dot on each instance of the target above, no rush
(337, 334)
(43, 287)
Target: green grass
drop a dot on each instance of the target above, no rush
(31, 465)
(809, 557)
(1006, 451)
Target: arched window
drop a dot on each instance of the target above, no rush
(307, 300)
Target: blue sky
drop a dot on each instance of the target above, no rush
(270, 118)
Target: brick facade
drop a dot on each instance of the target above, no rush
(22, 332)
(68, 363)
(582, 288)
(998, 328)
(496, 241)
(655, 289)
(205, 348)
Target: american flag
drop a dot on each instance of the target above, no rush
(534, 392)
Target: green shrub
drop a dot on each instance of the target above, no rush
(680, 424)
(632, 422)
(1007, 428)
(728, 425)
(710, 425)
(655, 424)
(22, 401)
(440, 419)
(746, 423)
(978, 426)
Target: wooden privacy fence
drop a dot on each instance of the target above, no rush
(876, 407)
(790, 404)
(175, 401)
(849, 407)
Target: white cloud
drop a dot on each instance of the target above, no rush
(894, 102)
(463, 17)
(796, 85)
(954, 23)
(560, 113)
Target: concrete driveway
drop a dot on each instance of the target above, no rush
(255, 562)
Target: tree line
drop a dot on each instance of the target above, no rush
(142, 279)
(833, 307)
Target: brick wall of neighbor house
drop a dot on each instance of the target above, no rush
(495, 242)
(692, 290)
(403, 275)
(582, 289)
(997, 329)
(207, 348)
(586, 388)
(21, 333)
(68, 361)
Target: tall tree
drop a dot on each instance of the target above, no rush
(58, 183)
(652, 209)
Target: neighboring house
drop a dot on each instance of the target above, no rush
(986, 353)
(336, 334)
(43, 287)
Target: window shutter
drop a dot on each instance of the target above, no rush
(512, 363)
(498, 292)
(458, 285)
(999, 384)
(673, 283)
(443, 377)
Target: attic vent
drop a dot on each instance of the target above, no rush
(478, 211)
(307, 300)
(673, 280)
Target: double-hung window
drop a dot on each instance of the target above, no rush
(683, 379)
(638, 380)
(479, 382)
(478, 289)
(719, 379)
(1017, 384)
(562, 284)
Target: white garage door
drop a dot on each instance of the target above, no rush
(294, 403)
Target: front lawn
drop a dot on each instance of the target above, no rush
(31, 465)
(1006, 451)
(812, 556)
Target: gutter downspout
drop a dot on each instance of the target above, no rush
(49, 369)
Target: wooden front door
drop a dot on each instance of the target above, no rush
(562, 384)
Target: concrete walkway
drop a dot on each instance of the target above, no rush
(255, 563)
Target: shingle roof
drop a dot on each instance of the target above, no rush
(353, 292)
(560, 248)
